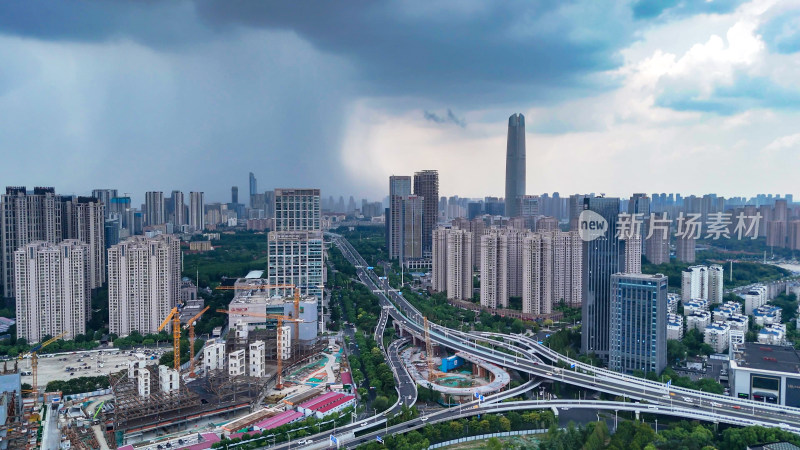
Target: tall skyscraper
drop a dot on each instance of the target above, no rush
(452, 262)
(638, 326)
(411, 231)
(179, 209)
(295, 247)
(426, 185)
(144, 276)
(105, 196)
(399, 189)
(154, 208)
(27, 218)
(602, 257)
(297, 210)
(515, 164)
(253, 188)
(685, 249)
(197, 211)
(234, 195)
(51, 289)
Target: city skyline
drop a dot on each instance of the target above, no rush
(655, 90)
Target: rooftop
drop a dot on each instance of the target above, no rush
(770, 357)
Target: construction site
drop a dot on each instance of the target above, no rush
(267, 335)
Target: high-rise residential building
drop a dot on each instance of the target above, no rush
(639, 206)
(155, 213)
(411, 232)
(494, 270)
(105, 196)
(399, 189)
(694, 283)
(638, 323)
(426, 185)
(515, 164)
(478, 228)
(452, 262)
(551, 271)
(716, 278)
(602, 257)
(197, 211)
(295, 247)
(253, 188)
(88, 226)
(685, 249)
(513, 239)
(51, 289)
(234, 195)
(297, 210)
(633, 254)
(575, 207)
(179, 209)
(657, 245)
(27, 217)
(144, 277)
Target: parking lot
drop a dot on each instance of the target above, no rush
(87, 363)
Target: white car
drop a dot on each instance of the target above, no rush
(687, 399)
(716, 405)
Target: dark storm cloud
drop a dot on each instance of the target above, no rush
(450, 117)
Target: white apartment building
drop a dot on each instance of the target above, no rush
(716, 335)
(51, 289)
(715, 283)
(452, 261)
(633, 254)
(285, 342)
(214, 355)
(551, 269)
(154, 212)
(774, 334)
(144, 277)
(694, 306)
(738, 322)
(726, 310)
(674, 326)
(494, 270)
(698, 321)
(767, 315)
(236, 363)
(755, 297)
(694, 283)
(257, 355)
(672, 303)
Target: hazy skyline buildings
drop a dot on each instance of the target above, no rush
(515, 164)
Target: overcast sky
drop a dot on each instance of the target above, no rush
(619, 97)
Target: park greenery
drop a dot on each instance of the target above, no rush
(369, 365)
(476, 425)
(233, 256)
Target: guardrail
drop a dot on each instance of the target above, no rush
(488, 436)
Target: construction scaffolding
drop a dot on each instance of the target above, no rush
(133, 411)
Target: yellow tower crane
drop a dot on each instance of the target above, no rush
(175, 316)
(190, 325)
(273, 286)
(432, 375)
(280, 320)
(34, 353)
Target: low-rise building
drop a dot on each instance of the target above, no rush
(726, 310)
(738, 322)
(767, 315)
(200, 246)
(214, 355)
(698, 321)
(695, 305)
(773, 334)
(674, 326)
(236, 363)
(717, 335)
(766, 373)
(326, 404)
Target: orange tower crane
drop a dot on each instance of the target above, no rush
(273, 286)
(175, 316)
(190, 324)
(35, 363)
(280, 320)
